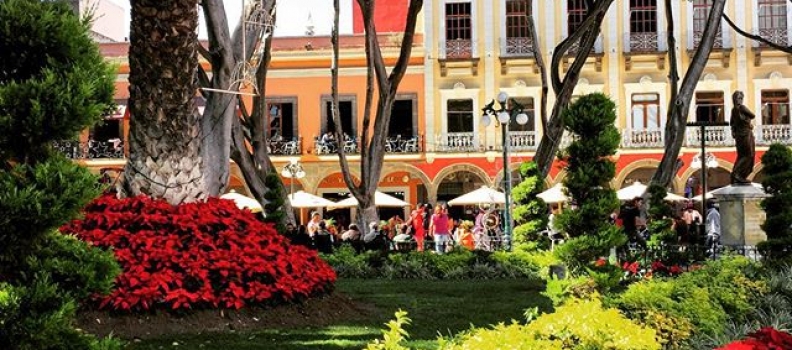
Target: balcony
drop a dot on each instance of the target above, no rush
(765, 54)
(92, 149)
(769, 134)
(398, 144)
(285, 147)
(778, 36)
(643, 42)
(458, 55)
(351, 146)
(642, 138)
(520, 141)
(714, 136)
(517, 47)
(458, 49)
(456, 142)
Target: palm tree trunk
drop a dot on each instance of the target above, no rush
(165, 131)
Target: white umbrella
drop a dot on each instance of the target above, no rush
(698, 198)
(671, 197)
(302, 199)
(554, 194)
(243, 202)
(483, 195)
(637, 189)
(380, 200)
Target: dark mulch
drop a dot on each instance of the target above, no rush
(316, 312)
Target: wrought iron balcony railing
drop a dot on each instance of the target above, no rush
(285, 146)
(517, 47)
(643, 42)
(779, 36)
(92, 149)
(458, 49)
(399, 144)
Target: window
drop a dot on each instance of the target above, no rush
(460, 115)
(643, 25)
(646, 112)
(280, 123)
(773, 21)
(528, 108)
(775, 107)
(701, 10)
(709, 106)
(401, 120)
(112, 127)
(576, 14)
(346, 113)
(459, 30)
(518, 40)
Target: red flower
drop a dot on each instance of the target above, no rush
(600, 262)
(197, 255)
(631, 267)
(658, 266)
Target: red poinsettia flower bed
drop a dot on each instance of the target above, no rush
(766, 338)
(197, 255)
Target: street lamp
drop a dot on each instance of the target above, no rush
(509, 108)
(705, 163)
(293, 170)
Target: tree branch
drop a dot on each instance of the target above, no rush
(407, 43)
(372, 44)
(787, 49)
(540, 64)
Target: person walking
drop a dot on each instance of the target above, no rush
(439, 229)
(417, 223)
(713, 228)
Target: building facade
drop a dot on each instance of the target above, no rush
(466, 52)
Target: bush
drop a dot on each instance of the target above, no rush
(530, 212)
(777, 183)
(274, 207)
(579, 324)
(197, 255)
(704, 299)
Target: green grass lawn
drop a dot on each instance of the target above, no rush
(435, 307)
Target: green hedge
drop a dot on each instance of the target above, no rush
(459, 264)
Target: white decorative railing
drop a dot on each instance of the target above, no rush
(714, 136)
(642, 138)
(566, 139)
(456, 142)
(522, 140)
(768, 134)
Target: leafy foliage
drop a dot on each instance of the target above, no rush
(53, 84)
(274, 207)
(53, 80)
(778, 184)
(589, 170)
(579, 325)
(661, 216)
(394, 335)
(530, 212)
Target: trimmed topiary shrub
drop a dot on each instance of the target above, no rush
(198, 255)
(589, 171)
(777, 183)
(530, 212)
(274, 207)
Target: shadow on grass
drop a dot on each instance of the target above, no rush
(435, 307)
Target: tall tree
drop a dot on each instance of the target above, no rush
(582, 39)
(372, 142)
(243, 138)
(679, 103)
(165, 141)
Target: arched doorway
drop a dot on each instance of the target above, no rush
(405, 186)
(456, 184)
(333, 188)
(716, 178)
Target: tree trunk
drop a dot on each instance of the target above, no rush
(165, 132)
(676, 124)
(586, 35)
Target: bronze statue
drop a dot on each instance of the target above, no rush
(742, 131)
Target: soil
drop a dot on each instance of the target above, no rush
(315, 312)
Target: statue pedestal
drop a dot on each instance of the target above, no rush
(741, 215)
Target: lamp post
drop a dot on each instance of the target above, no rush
(704, 162)
(293, 170)
(508, 109)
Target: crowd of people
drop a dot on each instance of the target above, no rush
(426, 229)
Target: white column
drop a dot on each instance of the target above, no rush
(742, 55)
(430, 46)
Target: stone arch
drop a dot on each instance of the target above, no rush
(499, 176)
(390, 168)
(618, 181)
(318, 172)
(758, 168)
(475, 170)
(722, 165)
(558, 178)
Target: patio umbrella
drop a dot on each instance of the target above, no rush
(483, 195)
(554, 194)
(380, 200)
(243, 202)
(302, 199)
(671, 197)
(637, 189)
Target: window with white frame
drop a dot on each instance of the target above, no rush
(518, 40)
(775, 107)
(643, 26)
(646, 112)
(459, 115)
(458, 30)
(709, 106)
(772, 17)
(529, 109)
(701, 10)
